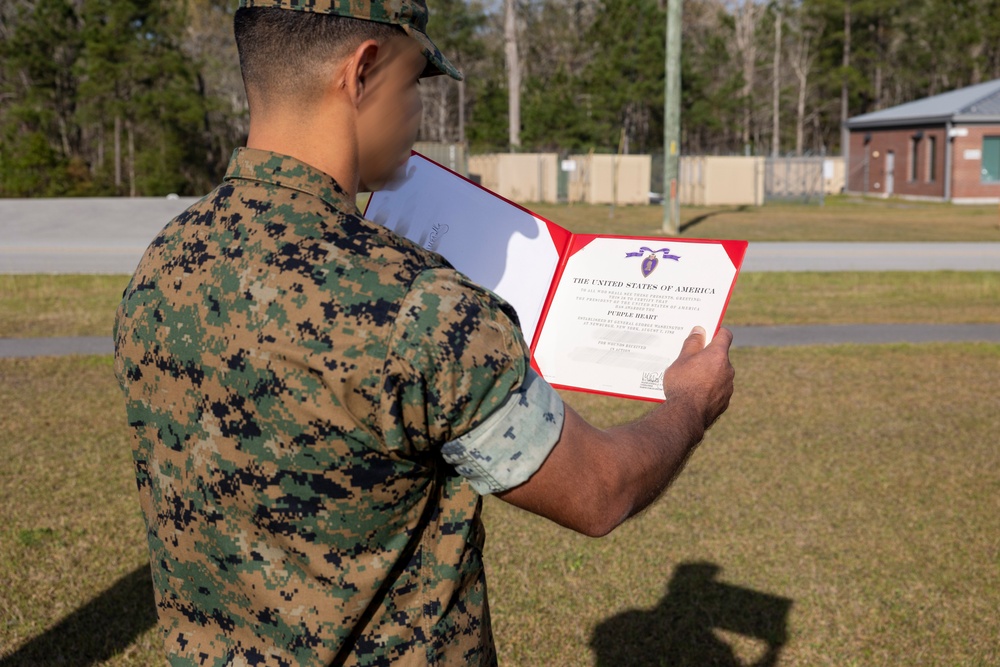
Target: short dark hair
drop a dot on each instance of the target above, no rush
(282, 51)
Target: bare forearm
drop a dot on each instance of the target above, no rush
(595, 479)
(649, 454)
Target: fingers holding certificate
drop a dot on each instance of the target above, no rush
(702, 375)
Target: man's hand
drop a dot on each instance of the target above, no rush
(595, 479)
(702, 376)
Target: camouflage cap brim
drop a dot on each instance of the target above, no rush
(436, 62)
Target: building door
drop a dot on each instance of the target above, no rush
(890, 173)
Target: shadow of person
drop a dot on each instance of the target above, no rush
(98, 630)
(681, 630)
(702, 218)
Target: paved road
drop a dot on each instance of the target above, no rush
(872, 257)
(80, 235)
(108, 235)
(785, 336)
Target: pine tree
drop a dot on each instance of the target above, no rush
(40, 141)
(139, 91)
(625, 78)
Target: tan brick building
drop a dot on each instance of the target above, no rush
(945, 147)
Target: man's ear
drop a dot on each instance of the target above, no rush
(358, 69)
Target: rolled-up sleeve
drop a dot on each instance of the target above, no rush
(506, 449)
(459, 383)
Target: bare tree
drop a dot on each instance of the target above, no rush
(747, 15)
(845, 64)
(208, 39)
(802, 56)
(436, 122)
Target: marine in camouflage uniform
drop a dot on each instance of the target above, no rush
(302, 385)
(316, 406)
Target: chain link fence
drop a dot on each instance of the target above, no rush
(794, 179)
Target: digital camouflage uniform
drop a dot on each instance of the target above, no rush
(301, 387)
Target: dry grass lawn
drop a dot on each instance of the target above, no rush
(856, 483)
(845, 511)
(43, 305)
(58, 305)
(840, 219)
(942, 297)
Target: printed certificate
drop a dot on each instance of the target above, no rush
(622, 308)
(602, 313)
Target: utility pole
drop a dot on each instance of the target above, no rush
(845, 63)
(776, 85)
(672, 119)
(513, 75)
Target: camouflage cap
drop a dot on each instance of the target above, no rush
(410, 15)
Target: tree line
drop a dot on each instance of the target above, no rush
(144, 97)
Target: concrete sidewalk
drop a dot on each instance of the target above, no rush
(109, 235)
(97, 255)
(785, 336)
(872, 257)
(863, 334)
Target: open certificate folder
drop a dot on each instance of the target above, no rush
(604, 314)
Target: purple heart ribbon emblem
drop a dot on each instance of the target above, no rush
(648, 265)
(650, 261)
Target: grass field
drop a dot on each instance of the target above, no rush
(841, 219)
(857, 483)
(84, 305)
(845, 511)
(44, 305)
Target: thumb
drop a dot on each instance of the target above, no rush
(694, 343)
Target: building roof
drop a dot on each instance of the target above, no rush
(973, 104)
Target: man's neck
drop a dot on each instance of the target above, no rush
(323, 143)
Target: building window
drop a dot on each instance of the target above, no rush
(931, 159)
(991, 159)
(914, 159)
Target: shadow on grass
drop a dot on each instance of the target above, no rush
(680, 630)
(95, 632)
(705, 216)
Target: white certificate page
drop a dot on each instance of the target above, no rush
(498, 245)
(624, 307)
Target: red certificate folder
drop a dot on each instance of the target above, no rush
(602, 313)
